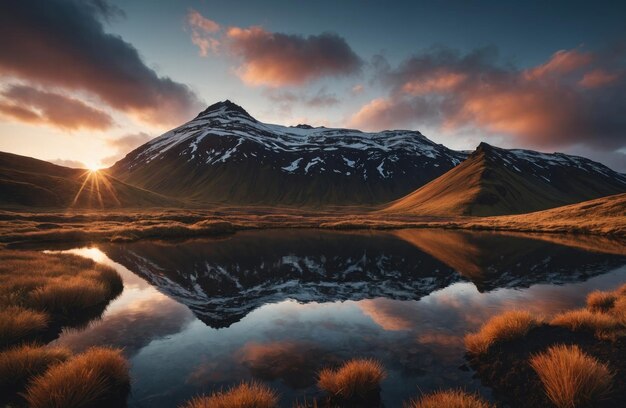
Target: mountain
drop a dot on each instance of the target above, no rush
(225, 155)
(494, 181)
(25, 181)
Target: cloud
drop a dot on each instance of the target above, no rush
(322, 98)
(74, 164)
(357, 89)
(124, 145)
(30, 105)
(575, 98)
(275, 59)
(201, 32)
(62, 43)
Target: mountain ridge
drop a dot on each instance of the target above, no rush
(225, 155)
(495, 181)
(25, 181)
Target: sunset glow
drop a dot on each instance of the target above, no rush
(560, 94)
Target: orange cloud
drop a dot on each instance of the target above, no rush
(439, 82)
(598, 78)
(276, 59)
(561, 62)
(33, 106)
(201, 32)
(564, 102)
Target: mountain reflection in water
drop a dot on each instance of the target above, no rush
(277, 306)
(221, 281)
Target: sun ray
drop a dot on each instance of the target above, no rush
(109, 186)
(96, 176)
(82, 187)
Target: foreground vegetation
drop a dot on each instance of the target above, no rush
(39, 294)
(575, 359)
(605, 216)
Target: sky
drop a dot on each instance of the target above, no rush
(83, 82)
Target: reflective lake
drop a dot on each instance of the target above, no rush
(277, 306)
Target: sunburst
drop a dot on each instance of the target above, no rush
(91, 180)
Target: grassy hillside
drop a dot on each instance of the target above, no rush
(28, 182)
(484, 186)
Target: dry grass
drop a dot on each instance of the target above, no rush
(604, 326)
(506, 326)
(355, 378)
(18, 324)
(449, 399)
(570, 377)
(67, 295)
(97, 378)
(619, 310)
(599, 301)
(244, 395)
(38, 291)
(19, 364)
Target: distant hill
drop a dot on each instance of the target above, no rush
(25, 181)
(224, 155)
(605, 216)
(494, 181)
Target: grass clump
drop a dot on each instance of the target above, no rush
(507, 326)
(18, 324)
(63, 296)
(619, 310)
(97, 378)
(19, 364)
(244, 395)
(570, 377)
(355, 378)
(40, 292)
(603, 325)
(599, 301)
(449, 399)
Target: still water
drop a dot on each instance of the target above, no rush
(277, 306)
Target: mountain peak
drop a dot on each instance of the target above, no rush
(226, 105)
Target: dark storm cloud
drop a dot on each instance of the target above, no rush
(62, 43)
(30, 105)
(574, 98)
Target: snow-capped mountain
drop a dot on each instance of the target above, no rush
(225, 155)
(495, 181)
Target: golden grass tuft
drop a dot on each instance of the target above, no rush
(599, 301)
(506, 326)
(63, 296)
(96, 378)
(244, 395)
(18, 323)
(570, 377)
(355, 378)
(19, 364)
(601, 324)
(449, 399)
(619, 310)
